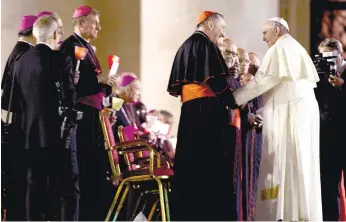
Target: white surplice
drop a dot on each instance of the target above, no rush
(289, 178)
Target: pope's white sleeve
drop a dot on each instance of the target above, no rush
(259, 85)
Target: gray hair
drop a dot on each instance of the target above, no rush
(44, 28)
(331, 44)
(77, 21)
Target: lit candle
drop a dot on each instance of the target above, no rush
(113, 62)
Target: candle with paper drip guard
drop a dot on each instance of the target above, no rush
(80, 54)
(113, 63)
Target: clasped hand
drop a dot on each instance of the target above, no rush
(336, 81)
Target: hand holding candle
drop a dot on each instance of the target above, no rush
(80, 54)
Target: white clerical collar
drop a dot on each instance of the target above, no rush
(26, 42)
(45, 44)
(88, 41)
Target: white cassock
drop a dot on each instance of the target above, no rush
(289, 178)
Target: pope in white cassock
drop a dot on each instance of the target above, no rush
(289, 178)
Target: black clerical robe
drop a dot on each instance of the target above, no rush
(89, 68)
(90, 144)
(19, 49)
(202, 188)
(13, 158)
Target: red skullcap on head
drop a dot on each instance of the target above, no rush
(27, 22)
(81, 11)
(204, 15)
(127, 79)
(44, 13)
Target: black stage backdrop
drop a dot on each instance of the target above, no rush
(328, 20)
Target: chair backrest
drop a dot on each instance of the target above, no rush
(109, 140)
(129, 157)
(130, 133)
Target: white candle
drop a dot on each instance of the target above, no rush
(77, 66)
(115, 65)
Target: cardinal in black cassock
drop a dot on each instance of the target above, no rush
(202, 188)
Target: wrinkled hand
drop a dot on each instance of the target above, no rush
(255, 120)
(336, 81)
(104, 78)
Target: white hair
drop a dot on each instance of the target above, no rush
(44, 28)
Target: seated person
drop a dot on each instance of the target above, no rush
(129, 90)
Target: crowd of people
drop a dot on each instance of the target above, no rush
(49, 168)
(248, 144)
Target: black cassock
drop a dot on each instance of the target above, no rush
(19, 49)
(13, 163)
(49, 164)
(90, 142)
(202, 188)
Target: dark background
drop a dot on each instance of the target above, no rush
(328, 20)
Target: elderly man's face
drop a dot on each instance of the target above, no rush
(244, 61)
(217, 28)
(135, 91)
(91, 26)
(270, 34)
(230, 54)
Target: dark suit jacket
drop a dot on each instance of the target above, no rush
(6, 84)
(36, 72)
